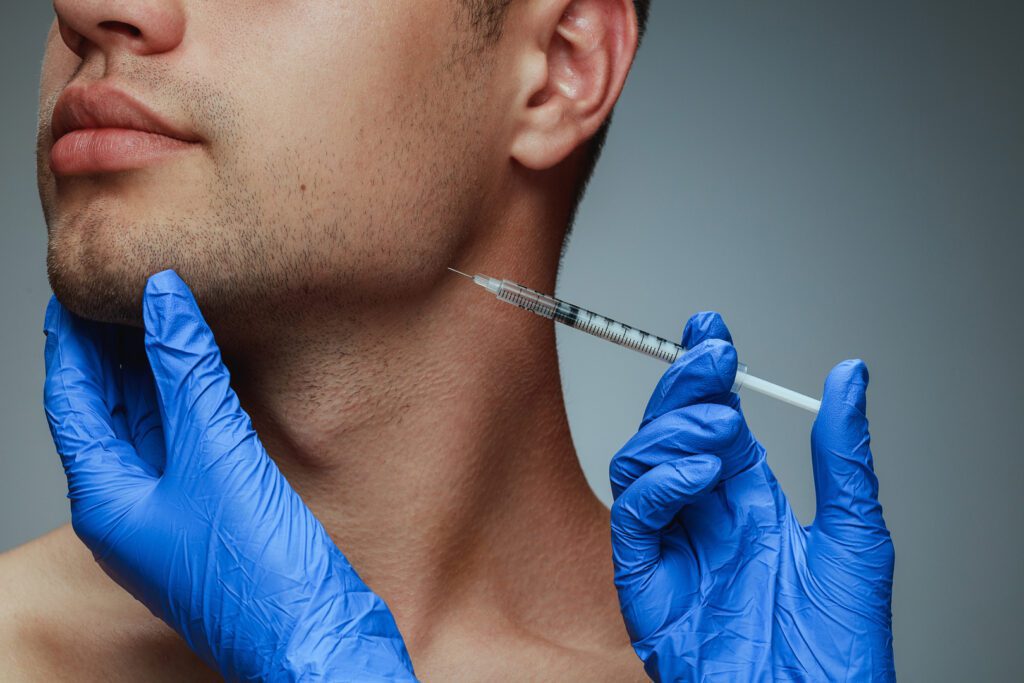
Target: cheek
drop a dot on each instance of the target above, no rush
(59, 64)
(362, 151)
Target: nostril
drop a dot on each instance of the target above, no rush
(122, 28)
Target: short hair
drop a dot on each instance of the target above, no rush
(487, 17)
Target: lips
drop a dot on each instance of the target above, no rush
(100, 129)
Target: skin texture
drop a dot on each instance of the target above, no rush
(348, 153)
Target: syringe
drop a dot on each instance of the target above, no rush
(622, 334)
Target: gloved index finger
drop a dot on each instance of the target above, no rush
(704, 374)
(703, 326)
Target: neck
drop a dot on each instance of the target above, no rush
(434, 447)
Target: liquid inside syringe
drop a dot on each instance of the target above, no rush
(622, 334)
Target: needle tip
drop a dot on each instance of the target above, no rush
(459, 272)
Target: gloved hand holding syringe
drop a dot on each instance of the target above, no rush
(623, 335)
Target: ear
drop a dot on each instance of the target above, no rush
(573, 70)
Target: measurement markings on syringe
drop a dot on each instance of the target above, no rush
(626, 335)
(611, 330)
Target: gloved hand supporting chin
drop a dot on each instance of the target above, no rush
(179, 502)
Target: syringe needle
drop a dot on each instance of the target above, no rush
(459, 272)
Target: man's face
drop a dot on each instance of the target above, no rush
(333, 150)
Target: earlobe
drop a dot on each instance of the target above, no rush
(588, 47)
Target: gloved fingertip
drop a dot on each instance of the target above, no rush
(165, 281)
(846, 385)
(842, 424)
(53, 313)
(725, 362)
(717, 420)
(713, 361)
(167, 304)
(705, 325)
(702, 471)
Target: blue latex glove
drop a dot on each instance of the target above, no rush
(177, 499)
(717, 579)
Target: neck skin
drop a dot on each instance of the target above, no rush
(436, 451)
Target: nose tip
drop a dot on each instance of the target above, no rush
(141, 27)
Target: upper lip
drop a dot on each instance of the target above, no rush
(101, 105)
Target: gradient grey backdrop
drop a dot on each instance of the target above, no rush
(839, 180)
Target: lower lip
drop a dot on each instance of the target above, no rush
(109, 150)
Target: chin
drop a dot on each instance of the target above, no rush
(94, 295)
(97, 269)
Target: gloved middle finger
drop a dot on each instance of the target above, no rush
(703, 428)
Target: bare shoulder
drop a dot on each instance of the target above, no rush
(62, 618)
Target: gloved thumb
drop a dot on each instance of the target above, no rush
(844, 477)
(649, 505)
(193, 386)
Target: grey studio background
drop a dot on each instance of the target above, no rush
(839, 180)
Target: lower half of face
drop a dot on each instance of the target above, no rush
(338, 183)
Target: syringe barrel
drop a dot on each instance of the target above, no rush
(588, 321)
(597, 325)
(619, 333)
(605, 328)
(527, 299)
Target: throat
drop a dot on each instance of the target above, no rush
(440, 467)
